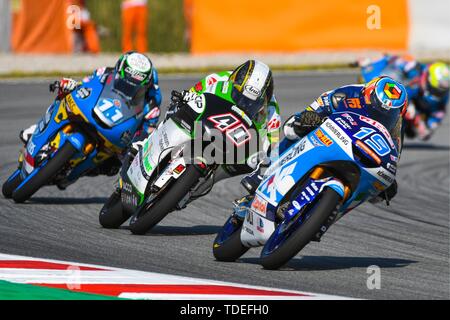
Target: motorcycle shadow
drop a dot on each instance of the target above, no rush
(181, 231)
(425, 146)
(67, 201)
(324, 263)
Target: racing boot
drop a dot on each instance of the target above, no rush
(110, 167)
(241, 206)
(251, 181)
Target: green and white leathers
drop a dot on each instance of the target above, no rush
(164, 172)
(267, 122)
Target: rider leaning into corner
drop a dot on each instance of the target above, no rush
(382, 99)
(131, 83)
(262, 107)
(428, 90)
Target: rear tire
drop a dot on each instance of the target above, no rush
(52, 167)
(232, 248)
(303, 235)
(10, 185)
(112, 215)
(147, 220)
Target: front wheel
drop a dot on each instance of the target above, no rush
(227, 245)
(112, 214)
(24, 191)
(11, 184)
(143, 222)
(282, 246)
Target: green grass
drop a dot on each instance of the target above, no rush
(166, 24)
(16, 291)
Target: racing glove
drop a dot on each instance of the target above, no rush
(151, 120)
(178, 100)
(64, 86)
(305, 122)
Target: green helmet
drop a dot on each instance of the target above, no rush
(134, 75)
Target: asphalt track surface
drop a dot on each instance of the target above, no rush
(409, 240)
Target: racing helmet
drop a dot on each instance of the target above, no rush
(436, 79)
(133, 75)
(252, 87)
(386, 101)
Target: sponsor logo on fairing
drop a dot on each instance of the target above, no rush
(260, 225)
(259, 205)
(293, 153)
(210, 81)
(385, 176)
(83, 93)
(337, 132)
(323, 138)
(343, 123)
(31, 146)
(391, 167)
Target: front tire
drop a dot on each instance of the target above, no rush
(228, 247)
(274, 259)
(140, 224)
(64, 154)
(11, 184)
(112, 214)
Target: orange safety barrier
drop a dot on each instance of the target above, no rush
(297, 25)
(41, 28)
(135, 25)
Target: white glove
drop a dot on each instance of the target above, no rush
(67, 85)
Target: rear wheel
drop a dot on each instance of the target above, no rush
(227, 245)
(142, 222)
(11, 184)
(280, 248)
(112, 214)
(63, 155)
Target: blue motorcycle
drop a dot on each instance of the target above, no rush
(316, 181)
(75, 136)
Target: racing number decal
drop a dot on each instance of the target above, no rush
(378, 144)
(114, 116)
(233, 127)
(376, 141)
(224, 121)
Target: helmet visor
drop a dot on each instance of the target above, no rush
(127, 87)
(437, 92)
(386, 115)
(249, 106)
